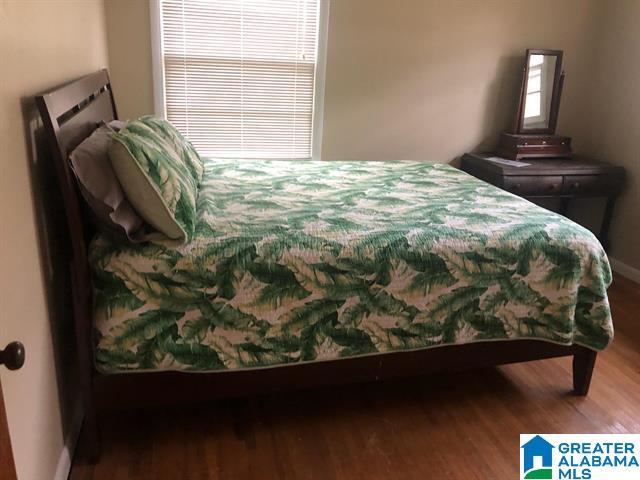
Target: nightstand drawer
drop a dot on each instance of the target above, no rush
(590, 185)
(533, 185)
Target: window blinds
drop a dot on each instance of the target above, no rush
(239, 75)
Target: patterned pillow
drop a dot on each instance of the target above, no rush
(159, 172)
(182, 146)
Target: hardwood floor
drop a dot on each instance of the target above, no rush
(454, 426)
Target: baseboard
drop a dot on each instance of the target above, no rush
(66, 455)
(625, 270)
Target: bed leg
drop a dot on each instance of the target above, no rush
(89, 445)
(583, 362)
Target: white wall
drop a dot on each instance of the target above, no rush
(42, 43)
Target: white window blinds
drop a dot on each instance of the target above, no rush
(239, 75)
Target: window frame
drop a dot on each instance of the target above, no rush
(317, 121)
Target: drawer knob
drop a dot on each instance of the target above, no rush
(576, 184)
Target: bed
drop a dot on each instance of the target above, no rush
(316, 273)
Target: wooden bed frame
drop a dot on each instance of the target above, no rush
(70, 114)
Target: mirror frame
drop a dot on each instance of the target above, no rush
(558, 80)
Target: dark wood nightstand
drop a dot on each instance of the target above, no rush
(564, 179)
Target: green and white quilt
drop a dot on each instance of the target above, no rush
(309, 261)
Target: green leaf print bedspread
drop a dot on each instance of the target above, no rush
(307, 261)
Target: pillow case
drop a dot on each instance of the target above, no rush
(100, 188)
(159, 173)
(181, 145)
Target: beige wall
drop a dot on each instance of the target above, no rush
(615, 117)
(419, 79)
(128, 31)
(42, 43)
(431, 79)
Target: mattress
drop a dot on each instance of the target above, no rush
(309, 261)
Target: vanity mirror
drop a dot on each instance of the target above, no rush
(533, 134)
(540, 93)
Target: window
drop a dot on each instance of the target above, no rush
(241, 78)
(540, 86)
(533, 105)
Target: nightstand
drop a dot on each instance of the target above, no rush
(564, 179)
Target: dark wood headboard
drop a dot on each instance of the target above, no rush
(70, 113)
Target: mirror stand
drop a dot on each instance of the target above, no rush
(533, 135)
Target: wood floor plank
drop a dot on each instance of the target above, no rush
(413, 428)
